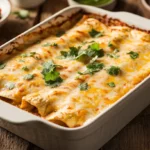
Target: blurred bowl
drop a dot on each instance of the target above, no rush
(27, 3)
(109, 6)
(145, 4)
(5, 11)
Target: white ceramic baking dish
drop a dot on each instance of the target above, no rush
(96, 133)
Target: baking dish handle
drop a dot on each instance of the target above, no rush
(15, 115)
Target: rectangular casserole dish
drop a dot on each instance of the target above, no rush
(96, 133)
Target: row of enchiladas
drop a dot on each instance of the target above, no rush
(71, 76)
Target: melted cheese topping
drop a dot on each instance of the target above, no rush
(67, 104)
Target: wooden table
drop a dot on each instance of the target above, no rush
(135, 136)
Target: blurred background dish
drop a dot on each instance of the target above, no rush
(27, 3)
(106, 4)
(5, 9)
(145, 5)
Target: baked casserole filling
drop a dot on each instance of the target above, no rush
(72, 75)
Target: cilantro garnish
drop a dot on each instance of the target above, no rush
(25, 68)
(29, 77)
(111, 84)
(133, 55)
(31, 54)
(83, 86)
(10, 86)
(114, 71)
(83, 56)
(2, 65)
(94, 33)
(114, 54)
(116, 50)
(49, 44)
(46, 45)
(92, 68)
(51, 76)
(54, 44)
(110, 44)
(24, 55)
(60, 33)
(21, 60)
(72, 53)
(95, 47)
(93, 50)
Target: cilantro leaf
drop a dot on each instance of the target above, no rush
(29, 77)
(64, 54)
(116, 51)
(31, 54)
(95, 50)
(95, 47)
(25, 68)
(114, 71)
(2, 65)
(92, 68)
(46, 45)
(51, 76)
(83, 56)
(83, 86)
(133, 55)
(60, 33)
(110, 44)
(54, 44)
(24, 55)
(10, 86)
(95, 67)
(94, 33)
(114, 54)
(55, 83)
(21, 60)
(111, 84)
(72, 53)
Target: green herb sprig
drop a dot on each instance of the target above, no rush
(133, 55)
(51, 76)
(111, 84)
(10, 85)
(92, 68)
(28, 77)
(2, 65)
(83, 86)
(114, 70)
(94, 33)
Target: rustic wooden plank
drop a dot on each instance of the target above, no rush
(135, 136)
(9, 141)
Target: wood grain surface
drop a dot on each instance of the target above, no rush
(135, 136)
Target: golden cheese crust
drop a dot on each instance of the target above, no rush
(117, 59)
